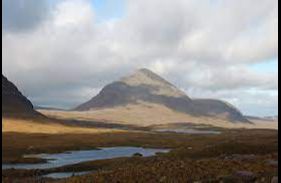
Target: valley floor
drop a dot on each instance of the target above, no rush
(238, 153)
(145, 114)
(235, 155)
(46, 127)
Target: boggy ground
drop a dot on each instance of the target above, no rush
(233, 156)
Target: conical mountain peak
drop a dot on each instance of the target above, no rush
(145, 77)
(144, 70)
(148, 73)
(145, 86)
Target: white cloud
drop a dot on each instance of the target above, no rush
(73, 13)
(204, 46)
(251, 101)
(21, 15)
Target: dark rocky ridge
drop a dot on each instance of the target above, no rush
(212, 107)
(14, 104)
(119, 93)
(146, 86)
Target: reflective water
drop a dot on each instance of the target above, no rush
(61, 175)
(73, 157)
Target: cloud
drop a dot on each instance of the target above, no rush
(22, 15)
(67, 55)
(207, 31)
(251, 101)
(232, 78)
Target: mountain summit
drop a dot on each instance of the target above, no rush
(146, 86)
(142, 85)
(158, 86)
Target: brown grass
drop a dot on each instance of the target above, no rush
(202, 162)
(33, 126)
(146, 114)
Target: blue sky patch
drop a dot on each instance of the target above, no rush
(108, 9)
(267, 66)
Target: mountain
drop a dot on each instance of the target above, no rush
(48, 108)
(146, 86)
(265, 118)
(272, 118)
(14, 104)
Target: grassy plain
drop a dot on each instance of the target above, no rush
(145, 114)
(49, 127)
(204, 157)
(193, 158)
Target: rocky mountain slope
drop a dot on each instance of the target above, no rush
(14, 104)
(146, 86)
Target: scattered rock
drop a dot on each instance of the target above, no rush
(239, 157)
(228, 179)
(274, 179)
(272, 163)
(263, 179)
(245, 175)
(30, 148)
(137, 155)
(163, 179)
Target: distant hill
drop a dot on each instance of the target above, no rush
(273, 118)
(14, 104)
(146, 86)
(48, 108)
(265, 118)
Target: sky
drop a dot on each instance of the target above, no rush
(61, 53)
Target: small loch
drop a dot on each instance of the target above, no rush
(74, 157)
